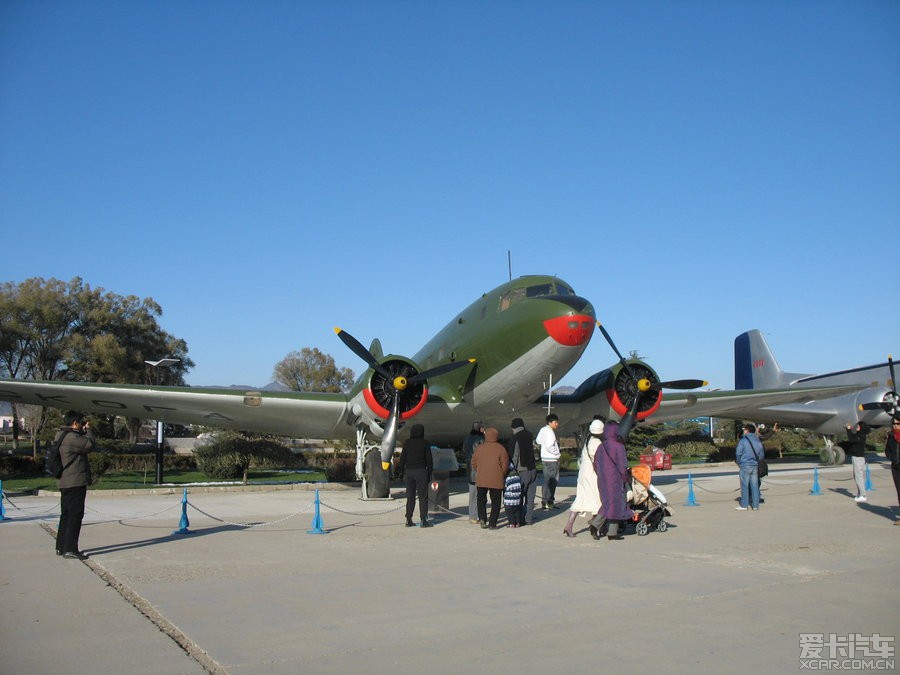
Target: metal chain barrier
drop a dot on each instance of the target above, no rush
(309, 507)
(714, 492)
(117, 519)
(23, 510)
(196, 508)
(363, 513)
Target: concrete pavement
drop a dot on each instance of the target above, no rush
(721, 591)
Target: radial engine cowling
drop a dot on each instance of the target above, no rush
(625, 387)
(379, 394)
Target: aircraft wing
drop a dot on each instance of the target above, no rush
(301, 415)
(752, 404)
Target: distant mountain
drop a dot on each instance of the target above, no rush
(272, 386)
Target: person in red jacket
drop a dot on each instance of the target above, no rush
(892, 452)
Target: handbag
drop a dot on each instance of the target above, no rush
(762, 467)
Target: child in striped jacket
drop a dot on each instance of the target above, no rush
(512, 497)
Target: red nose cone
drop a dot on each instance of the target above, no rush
(572, 331)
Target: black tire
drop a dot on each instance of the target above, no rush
(377, 479)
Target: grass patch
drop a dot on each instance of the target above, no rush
(130, 480)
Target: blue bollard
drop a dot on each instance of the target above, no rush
(184, 524)
(690, 498)
(317, 519)
(815, 488)
(869, 487)
(2, 509)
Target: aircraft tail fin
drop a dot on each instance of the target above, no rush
(755, 366)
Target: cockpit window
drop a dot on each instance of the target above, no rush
(538, 291)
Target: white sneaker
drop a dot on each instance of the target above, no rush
(861, 498)
(740, 508)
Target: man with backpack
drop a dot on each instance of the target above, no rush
(75, 441)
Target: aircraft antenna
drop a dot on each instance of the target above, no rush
(509, 262)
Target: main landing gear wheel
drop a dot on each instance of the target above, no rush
(662, 526)
(642, 529)
(839, 455)
(376, 478)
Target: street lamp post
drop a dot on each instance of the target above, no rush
(159, 424)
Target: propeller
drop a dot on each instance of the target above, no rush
(891, 402)
(679, 384)
(638, 386)
(399, 382)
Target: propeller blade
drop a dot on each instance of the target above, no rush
(357, 348)
(627, 423)
(880, 405)
(893, 377)
(616, 350)
(389, 440)
(439, 370)
(680, 384)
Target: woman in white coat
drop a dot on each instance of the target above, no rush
(587, 494)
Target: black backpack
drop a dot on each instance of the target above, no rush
(53, 465)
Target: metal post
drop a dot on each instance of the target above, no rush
(159, 452)
(159, 424)
(2, 510)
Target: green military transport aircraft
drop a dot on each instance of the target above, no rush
(492, 362)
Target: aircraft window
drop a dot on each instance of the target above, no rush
(586, 325)
(562, 289)
(573, 325)
(538, 291)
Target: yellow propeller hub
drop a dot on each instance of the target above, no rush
(644, 384)
(400, 383)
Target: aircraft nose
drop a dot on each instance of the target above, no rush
(572, 330)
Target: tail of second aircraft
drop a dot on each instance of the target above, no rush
(755, 366)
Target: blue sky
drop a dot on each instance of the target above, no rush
(269, 170)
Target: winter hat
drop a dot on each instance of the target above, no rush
(517, 422)
(596, 427)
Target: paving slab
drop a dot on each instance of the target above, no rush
(249, 590)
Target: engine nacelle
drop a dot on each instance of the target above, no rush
(625, 388)
(371, 405)
(880, 416)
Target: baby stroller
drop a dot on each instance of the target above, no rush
(649, 504)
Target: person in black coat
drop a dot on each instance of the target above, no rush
(474, 438)
(416, 465)
(520, 449)
(856, 450)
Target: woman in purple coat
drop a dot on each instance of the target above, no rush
(611, 464)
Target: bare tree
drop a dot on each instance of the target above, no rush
(312, 370)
